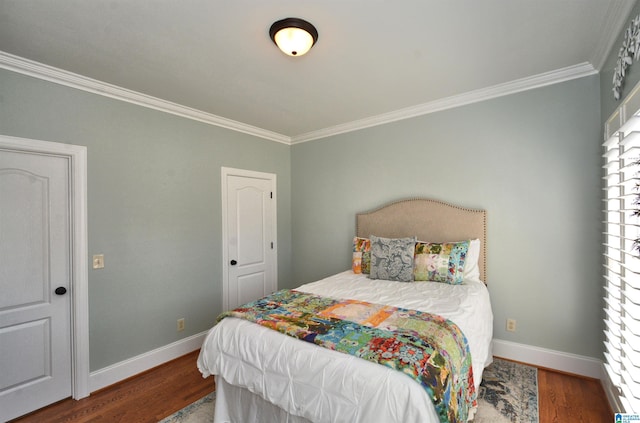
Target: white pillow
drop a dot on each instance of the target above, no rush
(471, 269)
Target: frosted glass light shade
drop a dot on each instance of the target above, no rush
(294, 41)
(293, 36)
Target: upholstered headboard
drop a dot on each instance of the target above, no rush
(428, 220)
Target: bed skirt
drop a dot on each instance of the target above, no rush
(235, 404)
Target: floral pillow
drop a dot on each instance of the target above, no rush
(392, 258)
(440, 261)
(361, 261)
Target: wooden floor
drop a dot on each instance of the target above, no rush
(148, 397)
(166, 389)
(566, 398)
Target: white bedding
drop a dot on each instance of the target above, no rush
(321, 385)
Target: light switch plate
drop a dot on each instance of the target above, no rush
(98, 261)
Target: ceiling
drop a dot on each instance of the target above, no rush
(373, 58)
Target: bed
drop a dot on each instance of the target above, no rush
(263, 375)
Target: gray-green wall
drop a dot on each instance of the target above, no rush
(531, 159)
(154, 208)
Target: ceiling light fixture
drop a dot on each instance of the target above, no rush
(293, 36)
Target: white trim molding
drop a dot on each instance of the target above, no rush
(125, 369)
(614, 22)
(612, 393)
(551, 359)
(80, 283)
(58, 76)
(629, 107)
(542, 357)
(73, 80)
(561, 361)
(476, 96)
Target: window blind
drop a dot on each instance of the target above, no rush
(622, 262)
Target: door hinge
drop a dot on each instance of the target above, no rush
(271, 194)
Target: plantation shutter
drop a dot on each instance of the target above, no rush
(622, 262)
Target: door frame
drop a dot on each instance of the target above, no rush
(226, 172)
(79, 291)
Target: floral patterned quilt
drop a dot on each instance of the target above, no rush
(428, 348)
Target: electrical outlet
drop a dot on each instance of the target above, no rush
(511, 325)
(180, 324)
(98, 261)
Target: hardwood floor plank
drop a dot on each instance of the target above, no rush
(145, 398)
(569, 398)
(160, 392)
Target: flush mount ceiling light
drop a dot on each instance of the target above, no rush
(293, 36)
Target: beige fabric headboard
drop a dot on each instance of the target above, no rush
(429, 220)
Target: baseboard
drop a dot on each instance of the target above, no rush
(557, 360)
(143, 362)
(611, 392)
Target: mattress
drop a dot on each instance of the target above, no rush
(321, 385)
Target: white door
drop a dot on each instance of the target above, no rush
(249, 236)
(35, 270)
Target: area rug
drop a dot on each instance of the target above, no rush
(200, 411)
(508, 394)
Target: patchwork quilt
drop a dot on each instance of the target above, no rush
(428, 348)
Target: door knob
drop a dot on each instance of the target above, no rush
(233, 262)
(61, 290)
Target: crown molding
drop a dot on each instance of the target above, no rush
(615, 20)
(524, 84)
(70, 79)
(62, 77)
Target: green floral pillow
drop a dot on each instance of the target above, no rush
(361, 260)
(440, 261)
(392, 258)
